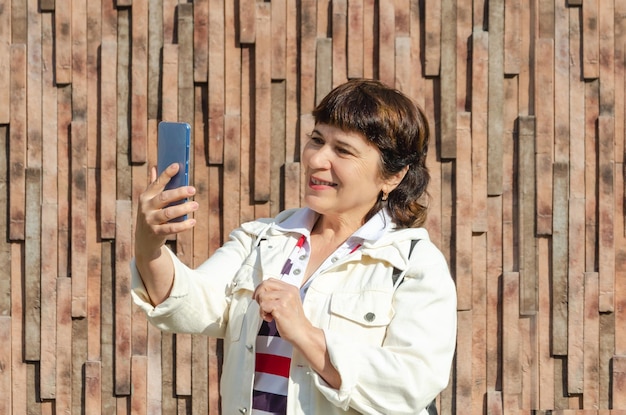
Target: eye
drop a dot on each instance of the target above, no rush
(344, 151)
(316, 139)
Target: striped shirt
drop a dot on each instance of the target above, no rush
(273, 354)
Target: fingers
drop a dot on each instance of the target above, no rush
(157, 207)
(163, 205)
(164, 178)
(265, 297)
(160, 220)
(158, 183)
(274, 297)
(168, 213)
(280, 302)
(265, 316)
(269, 288)
(153, 174)
(155, 211)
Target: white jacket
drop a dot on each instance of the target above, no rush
(392, 347)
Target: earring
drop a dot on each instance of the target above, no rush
(384, 197)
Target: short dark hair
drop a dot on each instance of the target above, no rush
(398, 127)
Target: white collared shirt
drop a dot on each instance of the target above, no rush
(302, 222)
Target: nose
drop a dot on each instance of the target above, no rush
(319, 158)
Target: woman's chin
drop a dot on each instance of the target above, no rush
(314, 202)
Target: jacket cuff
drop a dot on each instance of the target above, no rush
(139, 293)
(348, 370)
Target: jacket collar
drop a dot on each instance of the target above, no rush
(303, 220)
(391, 247)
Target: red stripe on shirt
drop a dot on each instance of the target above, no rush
(273, 364)
(357, 246)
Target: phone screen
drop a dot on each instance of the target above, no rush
(174, 140)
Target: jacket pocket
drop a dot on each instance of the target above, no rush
(365, 314)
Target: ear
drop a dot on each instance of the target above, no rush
(392, 182)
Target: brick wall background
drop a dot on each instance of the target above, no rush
(527, 106)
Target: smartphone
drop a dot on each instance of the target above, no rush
(174, 140)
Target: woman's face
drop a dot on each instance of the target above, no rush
(342, 173)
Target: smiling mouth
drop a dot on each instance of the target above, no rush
(317, 182)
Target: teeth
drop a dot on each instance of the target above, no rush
(319, 182)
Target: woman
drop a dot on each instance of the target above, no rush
(343, 306)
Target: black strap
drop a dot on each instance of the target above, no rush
(432, 407)
(396, 272)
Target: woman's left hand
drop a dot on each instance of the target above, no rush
(280, 301)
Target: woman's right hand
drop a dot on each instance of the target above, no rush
(153, 228)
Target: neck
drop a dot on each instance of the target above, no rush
(334, 230)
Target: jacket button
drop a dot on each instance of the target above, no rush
(370, 317)
(243, 410)
(249, 347)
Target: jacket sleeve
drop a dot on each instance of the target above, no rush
(413, 364)
(199, 300)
